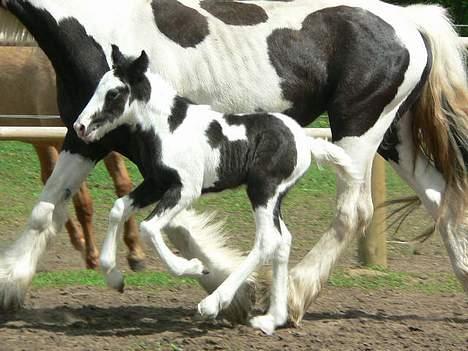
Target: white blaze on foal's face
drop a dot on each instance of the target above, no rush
(105, 111)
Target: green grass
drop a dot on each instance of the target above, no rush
(368, 280)
(92, 278)
(382, 280)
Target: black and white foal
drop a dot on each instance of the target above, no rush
(189, 150)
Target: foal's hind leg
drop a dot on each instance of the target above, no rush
(431, 187)
(267, 241)
(277, 314)
(123, 185)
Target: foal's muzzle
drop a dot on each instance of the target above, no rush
(80, 129)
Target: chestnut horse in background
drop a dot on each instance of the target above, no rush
(27, 87)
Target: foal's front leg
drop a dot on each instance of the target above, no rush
(143, 195)
(173, 202)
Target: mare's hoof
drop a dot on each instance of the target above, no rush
(92, 263)
(136, 265)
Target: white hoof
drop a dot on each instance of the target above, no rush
(265, 323)
(190, 268)
(195, 268)
(115, 280)
(209, 307)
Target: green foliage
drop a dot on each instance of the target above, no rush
(458, 10)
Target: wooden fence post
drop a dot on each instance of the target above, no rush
(372, 247)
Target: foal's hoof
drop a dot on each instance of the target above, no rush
(209, 308)
(136, 264)
(265, 323)
(195, 268)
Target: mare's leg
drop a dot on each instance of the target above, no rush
(48, 156)
(18, 263)
(83, 205)
(81, 233)
(123, 185)
(354, 210)
(431, 188)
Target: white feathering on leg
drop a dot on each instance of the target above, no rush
(199, 236)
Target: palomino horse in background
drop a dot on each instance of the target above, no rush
(27, 87)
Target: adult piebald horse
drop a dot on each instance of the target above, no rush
(392, 80)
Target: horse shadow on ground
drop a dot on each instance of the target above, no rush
(111, 321)
(379, 316)
(144, 320)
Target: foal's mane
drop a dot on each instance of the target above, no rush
(12, 31)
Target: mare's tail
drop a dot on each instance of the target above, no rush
(440, 115)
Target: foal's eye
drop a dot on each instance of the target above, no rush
(113, 94)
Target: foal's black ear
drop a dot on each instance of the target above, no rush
(140, 65)
(117, 57)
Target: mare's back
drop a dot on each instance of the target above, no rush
(27, 82)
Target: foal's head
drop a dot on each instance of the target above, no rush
(112, 104)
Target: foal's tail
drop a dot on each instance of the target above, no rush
(325, 152)
(440, 115)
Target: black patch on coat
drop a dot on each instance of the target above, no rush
(345, 60)
(114, 106)
(131, 70)
(183, 25)
(235, 13)
(178, 113)
(277, 215)
(161, 183)
(262, 162)
(387, 148)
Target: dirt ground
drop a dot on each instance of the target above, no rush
(89, 318)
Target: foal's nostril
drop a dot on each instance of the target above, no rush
(80, 129)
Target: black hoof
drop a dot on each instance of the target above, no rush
(136, 265)
(11, 306)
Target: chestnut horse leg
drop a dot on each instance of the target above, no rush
(123, 185)
(81, 232)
